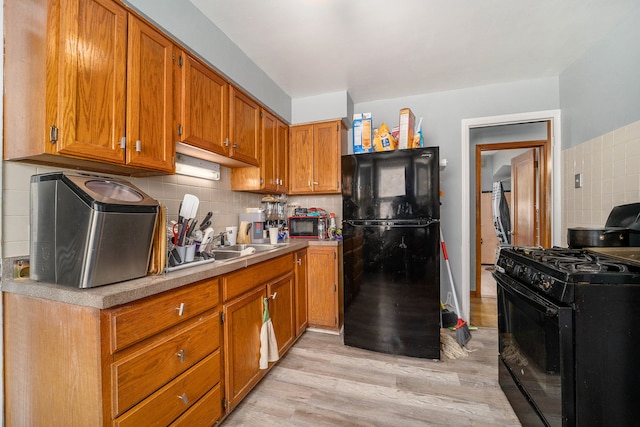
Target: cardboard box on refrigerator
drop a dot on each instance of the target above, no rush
(357, 133)
(407, 123)
(367, 132)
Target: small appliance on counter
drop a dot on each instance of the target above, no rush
(89, 231)
(252, 228)
(305, 222)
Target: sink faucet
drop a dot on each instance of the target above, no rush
(219, 236)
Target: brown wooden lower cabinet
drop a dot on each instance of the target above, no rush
(184, 357)
(324, 285)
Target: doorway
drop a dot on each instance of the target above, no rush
(553, 175)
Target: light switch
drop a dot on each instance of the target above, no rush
(578, 180)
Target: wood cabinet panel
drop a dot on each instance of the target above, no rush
(243, 320)
(203, 107)
(314, 157)
(149, 98)
(326, 157)
(282, 157)
(325, 287)
(165, 405)
(143, 318)
(45, 341)
(302, 319)
(241, 281)
(282, 310)
(301, 159)
(89, 93)
(168, 358)
(244, 128)
(206, 412)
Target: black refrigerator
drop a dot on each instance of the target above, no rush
(391, 229)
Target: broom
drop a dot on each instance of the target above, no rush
(463, 335)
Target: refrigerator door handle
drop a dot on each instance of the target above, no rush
(391, 223)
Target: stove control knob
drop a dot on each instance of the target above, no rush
(546, 284)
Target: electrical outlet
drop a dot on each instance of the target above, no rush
(578, 180)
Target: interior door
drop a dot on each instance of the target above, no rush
(524, 199)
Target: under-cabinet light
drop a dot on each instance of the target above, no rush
(190, 166)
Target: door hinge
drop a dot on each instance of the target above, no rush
(337, 127)
(221, 317)
(173, 160)
(335, 288)
(53, 134)
(180, 130)
(335, 320)
(173, 56)
(180, 60)
(260, 114)
(224, 403)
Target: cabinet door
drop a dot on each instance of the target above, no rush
(91, 80)
(268, 174)
(244, 128)
(149, 98)
(326, 157)
(301, 159)
(302, 319)
(203, 107)
(281, 310)
(282, 157)
(323, 286)
(243, 320)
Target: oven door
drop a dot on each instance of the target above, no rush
(535, 338)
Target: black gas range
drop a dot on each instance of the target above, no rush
(569, 336)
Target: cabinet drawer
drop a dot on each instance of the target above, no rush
(141, 319)
(205, 412)
(238, 282)
(172, 400)
(139, 374)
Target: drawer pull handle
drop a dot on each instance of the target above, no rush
(299, 261)
(273, 296)
(184, 398)
(180, 354)
(181, 309)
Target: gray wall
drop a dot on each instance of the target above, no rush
(600, 92)
(442, 113)
(186, 24)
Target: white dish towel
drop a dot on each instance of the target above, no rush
(268, 343)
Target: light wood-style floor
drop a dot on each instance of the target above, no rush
(321, 382)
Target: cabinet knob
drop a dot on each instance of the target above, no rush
(184, 398)
(299, 261)
(315, 183)
(138, 146)
(235, 146)
(180, 309)
(181, 355)
(226, 142)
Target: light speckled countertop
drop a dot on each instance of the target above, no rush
(120, 293)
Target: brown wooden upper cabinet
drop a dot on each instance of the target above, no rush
(107, 84)
(203, 106)
(314, 153)
(271, 176)
(244, 128)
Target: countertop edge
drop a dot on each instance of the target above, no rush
(108, 296)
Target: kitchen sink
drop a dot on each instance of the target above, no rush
(235, 251)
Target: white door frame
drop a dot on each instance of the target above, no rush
(466, 126)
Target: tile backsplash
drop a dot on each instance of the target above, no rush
(610, 168)
(215, 196)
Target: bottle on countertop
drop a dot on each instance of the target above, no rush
(321, 230)
(332, 226)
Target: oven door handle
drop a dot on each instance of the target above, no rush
(519, 291)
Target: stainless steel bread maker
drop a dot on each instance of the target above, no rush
(89, 231)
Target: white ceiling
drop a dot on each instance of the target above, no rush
(378, 49)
